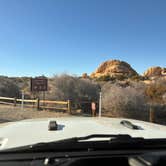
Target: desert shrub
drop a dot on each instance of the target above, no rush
(159, 113)
(156, 91)
(139, 87)
(85, 75)
(123, 101)
(66, 87)
(105, 78)
(121, 77)
(138, 78)
(112, 78)
(164, 97)
(8, 88)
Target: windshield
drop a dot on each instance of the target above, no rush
(72, 68)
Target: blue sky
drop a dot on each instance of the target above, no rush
(55, 36)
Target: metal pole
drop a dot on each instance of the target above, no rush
(99, 104)
(22, 102)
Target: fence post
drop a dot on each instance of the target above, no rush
(38, 103)
(69, 106)
(151, 114)
(100, 104)
(15, 101)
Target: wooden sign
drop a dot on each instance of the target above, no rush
(39, 84)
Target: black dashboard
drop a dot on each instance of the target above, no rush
(144, 160)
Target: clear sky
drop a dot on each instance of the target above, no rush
(74, 36)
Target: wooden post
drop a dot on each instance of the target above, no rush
(100, 104)
(38, 104)
(33, 103)
(151, 115)
(69, 106)
(15, 102)
(44, 100)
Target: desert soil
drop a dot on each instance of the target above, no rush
(10, 113)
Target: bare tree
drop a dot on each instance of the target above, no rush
(66, 87)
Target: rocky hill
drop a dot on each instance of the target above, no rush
(155, 72)
(114, 68)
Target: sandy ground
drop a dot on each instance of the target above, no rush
(10, 113)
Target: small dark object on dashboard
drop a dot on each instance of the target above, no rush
(52, 126)
(130, 125)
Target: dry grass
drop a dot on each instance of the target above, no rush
(10, 113)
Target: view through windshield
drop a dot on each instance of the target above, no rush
(87, 66)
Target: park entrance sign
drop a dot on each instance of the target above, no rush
(39, 84)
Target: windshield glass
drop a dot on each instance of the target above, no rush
(72, 68)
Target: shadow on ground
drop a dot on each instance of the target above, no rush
(81, 114)
(4, 120)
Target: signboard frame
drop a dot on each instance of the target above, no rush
(39, 84)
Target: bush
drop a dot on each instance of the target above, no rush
(138, 78)
(66, 87)
(156, 91)
(159, 113)
(8, 88)
(123, 101)
(120, 77)
(105, 78)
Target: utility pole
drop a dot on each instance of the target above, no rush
(100, 104)
(22, 101)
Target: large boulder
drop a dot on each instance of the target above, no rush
(114, 68)
(155, 72)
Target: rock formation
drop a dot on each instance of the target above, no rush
(114, 68)
(155, 72)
